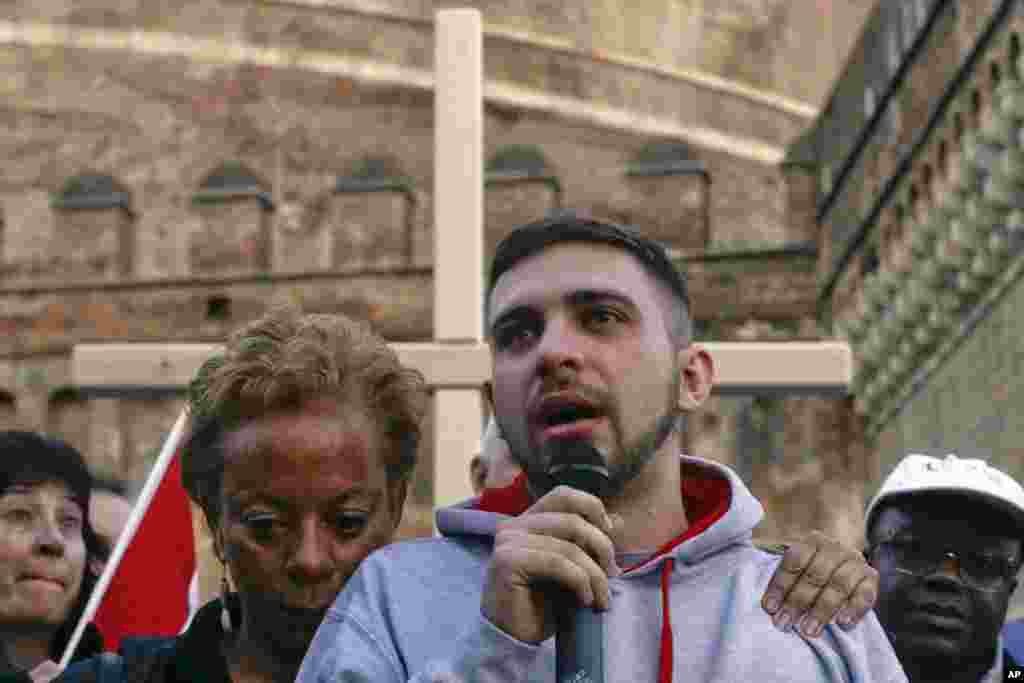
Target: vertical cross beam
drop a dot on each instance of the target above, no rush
(458, 237)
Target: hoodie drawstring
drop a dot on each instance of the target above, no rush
(665, 670)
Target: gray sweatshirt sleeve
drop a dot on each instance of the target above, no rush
(367, 638)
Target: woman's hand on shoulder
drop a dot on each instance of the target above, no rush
(819, 579)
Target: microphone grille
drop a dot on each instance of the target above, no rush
(578, 463)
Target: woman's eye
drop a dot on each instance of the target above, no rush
(350, 524)
(262, 528)
(18, 515)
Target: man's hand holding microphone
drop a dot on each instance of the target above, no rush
(551, 565)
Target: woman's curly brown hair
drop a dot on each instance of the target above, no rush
(279, 363)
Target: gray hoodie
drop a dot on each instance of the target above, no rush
(691, 612)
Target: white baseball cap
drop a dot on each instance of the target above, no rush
(971, 477)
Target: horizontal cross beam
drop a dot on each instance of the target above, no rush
(783, 368)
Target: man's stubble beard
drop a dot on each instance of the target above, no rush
(635, 457)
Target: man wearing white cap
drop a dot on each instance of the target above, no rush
(946, 538)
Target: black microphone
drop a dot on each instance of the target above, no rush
(579, 634)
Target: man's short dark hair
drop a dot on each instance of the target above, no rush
(572, 226)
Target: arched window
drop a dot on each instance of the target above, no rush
(234, 204)
(520, 165)
(666, 157)
(92, 191)
(672, 194)
(373, 172)
(519, 161)
(94, 231)
(521, 186)
(233, 180)
(372, 213)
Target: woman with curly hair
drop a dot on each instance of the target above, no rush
(302, 437)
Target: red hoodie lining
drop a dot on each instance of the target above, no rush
(706, 497)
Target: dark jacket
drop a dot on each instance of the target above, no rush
(90, 645)
(193, 656)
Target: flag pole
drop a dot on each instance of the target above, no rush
(156, 475)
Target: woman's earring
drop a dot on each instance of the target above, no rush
(225, 614)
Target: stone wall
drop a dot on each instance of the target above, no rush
(970, 406)
(802, 456)
(178, 135)
(760, 43)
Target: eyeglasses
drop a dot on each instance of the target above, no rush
(979, 570)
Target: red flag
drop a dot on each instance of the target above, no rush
(153, 591)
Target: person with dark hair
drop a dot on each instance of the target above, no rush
(302, 438)
(946, 536)
(49, 555)
(590, 332)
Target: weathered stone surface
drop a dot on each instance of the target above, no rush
(370, 230)
(675, 210)
(70, 417)
(755, 285)
(761, 44)
(299, 145)
(798, 455)
(146, 425)
(397, 306)
(233, 239)
(92, 244)
(508, 205)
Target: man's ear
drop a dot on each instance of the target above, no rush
(697, 375)
(96, 566)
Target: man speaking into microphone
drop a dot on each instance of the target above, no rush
(638, 558)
